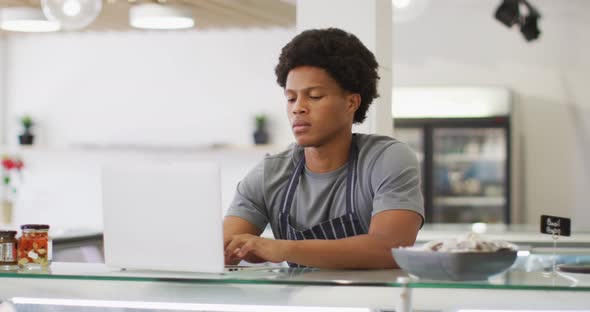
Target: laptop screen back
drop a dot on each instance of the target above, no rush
(163, 216)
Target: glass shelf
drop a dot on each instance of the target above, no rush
(469, 201)
(458, 158)
(518, 280)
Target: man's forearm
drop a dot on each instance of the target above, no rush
(358, 252)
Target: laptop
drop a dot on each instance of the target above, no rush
(163, 216)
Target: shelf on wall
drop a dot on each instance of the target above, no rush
(454, 158)
(144, 148)
(470, 201)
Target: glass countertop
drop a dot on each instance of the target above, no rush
(520, 234)
(308, 277)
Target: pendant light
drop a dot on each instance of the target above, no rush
(72, 14)
(26, 19)
(161, 16)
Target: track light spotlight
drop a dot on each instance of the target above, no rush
(508, 13)
(529, 28)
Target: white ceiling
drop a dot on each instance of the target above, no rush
(561, 8)
(208, 14)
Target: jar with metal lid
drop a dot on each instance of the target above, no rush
(8, 244)
(34, 246)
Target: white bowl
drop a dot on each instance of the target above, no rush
(454, 266)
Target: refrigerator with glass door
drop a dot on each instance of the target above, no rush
(465, 156)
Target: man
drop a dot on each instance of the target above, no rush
(335, 199)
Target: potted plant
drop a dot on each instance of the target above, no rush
(27, 137)
(260, 134)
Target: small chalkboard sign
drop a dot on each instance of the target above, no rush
(555, 225)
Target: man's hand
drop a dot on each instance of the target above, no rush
(233, 226)
(234, 260)
(254, 249)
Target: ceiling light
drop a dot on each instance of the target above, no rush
(508, 13)
(400, 4)
(159, 16)
(26, 19)
(72, 14)
(529, 28)
(528, 24)
(71, 8)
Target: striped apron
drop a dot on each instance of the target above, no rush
(344, 226)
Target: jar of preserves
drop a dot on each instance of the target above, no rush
(8, 244)
(34, 246)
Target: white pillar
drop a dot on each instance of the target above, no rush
(371, 22)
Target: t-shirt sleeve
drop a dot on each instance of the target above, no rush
(396, 181)
(248, 202)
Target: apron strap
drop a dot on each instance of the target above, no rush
(288, 197)
(289, 193)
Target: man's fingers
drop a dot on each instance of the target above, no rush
(235, 243)
(227, 240)
(239, 247)
(246, 248)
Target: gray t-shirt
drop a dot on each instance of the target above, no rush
(388, 177)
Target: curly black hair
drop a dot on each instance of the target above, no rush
(341, 54)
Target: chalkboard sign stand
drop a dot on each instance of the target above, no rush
(555, 226)
(555, 237)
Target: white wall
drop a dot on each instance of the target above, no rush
(458, 42)
(173, 88)
(3, 83)
(174, 91)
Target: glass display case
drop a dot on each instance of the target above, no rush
(95, 287)
(465, 165)
(462, 137)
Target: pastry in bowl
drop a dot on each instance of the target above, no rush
(468, 258)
